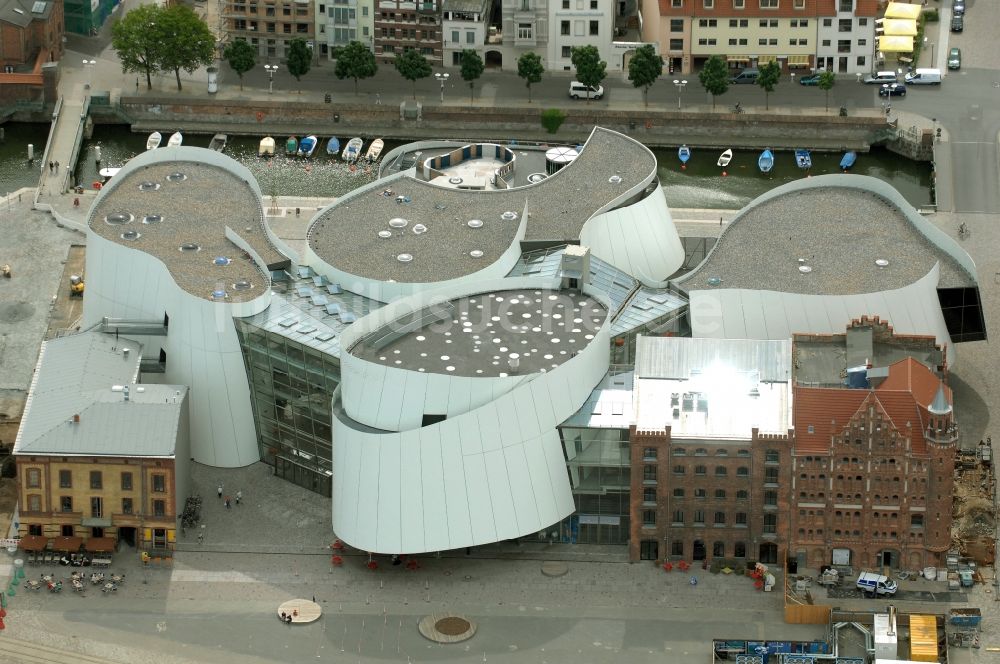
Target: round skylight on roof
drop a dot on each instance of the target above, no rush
(131, 235)
(534, 178)
(219, 294)
(881, 262)
(476, 253)
(398, 222)
(454, 180)
(177, 177)
(189, 247)
(149, 186)
(805, 269)
(405, 258)
(118, 218)
(615, 179)
(419, 229)
(474, 223)
(222, 260)
(385, 234)
(714, 281)
(509, 216)
(152, 219)
(242, 284)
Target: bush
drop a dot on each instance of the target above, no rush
(552, 119)
(932, 16)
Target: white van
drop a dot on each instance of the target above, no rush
(924, 77)
(876, 584)
(577, 90)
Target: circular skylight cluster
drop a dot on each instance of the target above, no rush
(149, 186)
(398, 222)
(405, 258)
(152, 219)
(131, 235)
(177, 177)
(189, 247)
(474, 223)
(118, 218)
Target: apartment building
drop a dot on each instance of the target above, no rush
(574, 23)
(524, 28)
(845, 39)
(404, 24)
(339, 22)
(269, 26)
(464, 24)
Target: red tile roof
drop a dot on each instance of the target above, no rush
(914, 377)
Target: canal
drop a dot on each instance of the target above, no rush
(700, 185)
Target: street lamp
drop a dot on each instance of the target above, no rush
(442, 77)
(926, 41)
(792, 74)
(680, 88)
(271, 69)
(89, 65)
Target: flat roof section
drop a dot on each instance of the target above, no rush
(851, 241)
(479, 335)
(177, 212)
(357, 235)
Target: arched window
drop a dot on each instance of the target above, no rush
(720, 471)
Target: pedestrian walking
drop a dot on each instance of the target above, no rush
(220, 491)
(239, 496)
(378, 99)
(137, 85)
(57, 168)
(50, 167)
(201, 537)
(228, 505)
(314, 599)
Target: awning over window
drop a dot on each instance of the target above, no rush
(798, 60)
(737, 58)
(900, 44)
(898, 26)
(766, 59)
(902, 10)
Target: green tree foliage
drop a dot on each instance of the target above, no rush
(134, 41)
(714, 77)
(590, 69)
(299, 59)
(644, 68)
(552, 119)
(241, 56)
(187, 42)
(355, 61)
(827, 80)
(530, 68)
(768, 79)
(412, 66)
(472, 69)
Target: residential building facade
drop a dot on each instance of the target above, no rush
(339, 22)
(845, 39)
(574, 23)
(524, 29)
(464, 27)
(269, 25)
(31, 42)
(401, 25)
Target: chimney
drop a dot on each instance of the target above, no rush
(125, 352)
(76, 418)
(125, 392)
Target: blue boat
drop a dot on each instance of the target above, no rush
(684, 153)
(848, 161)
(803, 160)
(307, 146)
(766, 161)
(333, 146)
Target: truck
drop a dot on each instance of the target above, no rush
(876, 584)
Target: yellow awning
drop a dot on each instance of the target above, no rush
(900, 27)
(902, 10)
(800, 60)
(766, 59)
(899, 44)
(737, 58)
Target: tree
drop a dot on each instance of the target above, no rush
(242, 57)
(530, 68)
(552, 119)
(826, 82)
(472, 69)
(412, 66)
(186, 41)
(299, 59)
(134, 41)
(355, 61)
(714, 77)
(644, 68)
(590, 69)
(768, 79)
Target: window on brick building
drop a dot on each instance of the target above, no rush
(678, 517)
(649, 473)
(699, 516)
(126, 481)
(677, 548)
(678, 470)
(770, 476)
(743, 453)
(718, 549)
(742, 471)
(720, 518)
(126, 505)
(700, 470)
(649, 517)
(649, 495)
(771, 498)
(34, 503)
(772, 456)
(916, 521)
(701, 451)
(721, 452)
(679, 451)
(700, 493)
(65, 479)
(678, 493)
(66, 503)
(96, 481)
(649, 454)
(720, 471)
(34, 478)
(159, 508)
(740, 550)
(720, 494)
(648, 550)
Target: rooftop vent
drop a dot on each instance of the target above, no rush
(149, 186)
(405, 258)
(189, 247)
(385, 234)
(615, 179)
(118, 218)
(131, 235)
(242, 284)
(805, 269)
(222, 260)
(454, 180)
(535, 178)
(219, 294)
(509, 216)
(152, 219)
(714, 281)
(177, 177)
(398, 222)
(474, 223)
(881, 262)
(419, 229)
(476, 253)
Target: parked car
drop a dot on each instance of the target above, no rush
(577, 90)
(957, 23)
(892, 90)
(810, 80)
(955, 58)
(880, 77)
(876, 584)
(922, 76)
(958, 8)
(745, 76)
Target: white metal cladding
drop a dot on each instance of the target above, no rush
(729, 313)
(202, 348)
(491, 473)
(639, 239)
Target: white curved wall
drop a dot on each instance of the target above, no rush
(639, 239)
(203, 351)
(491, 473)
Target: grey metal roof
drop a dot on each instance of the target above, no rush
(75, 376)
(19, 12)
(464, 6)
(609, 405)
(648, 307)
(680, 358)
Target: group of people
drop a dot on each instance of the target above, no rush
(287, 617)
(228, 500)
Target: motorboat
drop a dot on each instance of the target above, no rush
(848, 160)
(307, 146)
(765, 162)
(154, 140)
(333, 146)
(175, 140)
(353, 149)
(266, 148)
(684, 153)
(291, 146)
(218, 142)
(803, 160)
(725, 158)
(375, 150)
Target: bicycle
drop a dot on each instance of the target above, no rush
(963, 231)
(738, 108)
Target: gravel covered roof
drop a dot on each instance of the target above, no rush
(346, 235)
(840, 232)
(168, 211)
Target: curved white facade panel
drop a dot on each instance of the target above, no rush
(639, 239)
(490, 473)
(729, 313)
(202, 348)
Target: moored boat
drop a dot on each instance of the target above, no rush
(725, 158)
(848, 160)
(803, 159)
(154, 140)
(218, 142)
(375, 150)
(353, 149)
(333, 146)
(266, 147)
(291, 145)
(307, 146)
(766, 161)
(684, 153)
(175, 140)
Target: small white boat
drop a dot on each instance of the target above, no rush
(375, 150)
(175, 140)
(153, 141)
(266, 148)
(353, 150)
(218, 142)
(107, 173)
(725, 158)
